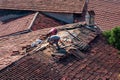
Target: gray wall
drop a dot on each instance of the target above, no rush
(68, 18)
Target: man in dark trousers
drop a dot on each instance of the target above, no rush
(54, 39)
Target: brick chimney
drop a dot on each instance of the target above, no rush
(90, 18)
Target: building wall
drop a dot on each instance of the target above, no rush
(67, 18)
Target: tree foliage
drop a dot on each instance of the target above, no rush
(113, 37)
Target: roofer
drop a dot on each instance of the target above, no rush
(54, 39)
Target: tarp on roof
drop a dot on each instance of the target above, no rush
(66, 6)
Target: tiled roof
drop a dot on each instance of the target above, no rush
(67, 6)
(101, 63)
(15, 43)
(43, 21)
(17, 25)
(107, 13)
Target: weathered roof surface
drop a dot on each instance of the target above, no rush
(67, 6)
(101, 62)
(107, 13)
(15, 43)
(17, 25)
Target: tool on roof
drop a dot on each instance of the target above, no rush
(77, 53)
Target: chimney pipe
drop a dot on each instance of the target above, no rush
(90, 18)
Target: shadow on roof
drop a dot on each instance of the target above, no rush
(10, 15)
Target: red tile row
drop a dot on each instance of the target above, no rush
(43, 21)
(107, 13)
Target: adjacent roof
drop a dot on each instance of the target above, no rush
(107, 13)
(66, 6)
(14, 25)
(43, 21)
(13, 22)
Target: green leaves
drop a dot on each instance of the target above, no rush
(113, 37)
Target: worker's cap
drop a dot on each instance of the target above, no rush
(54, 31)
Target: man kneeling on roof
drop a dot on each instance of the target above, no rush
(54, 39)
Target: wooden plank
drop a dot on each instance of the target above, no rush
(77, 53)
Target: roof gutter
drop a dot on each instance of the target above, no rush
(32, 22)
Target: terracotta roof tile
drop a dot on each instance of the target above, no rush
(102, 62)
(16, 25)
(15, 43)
(43, 21)
(107, 13)
(67, 6)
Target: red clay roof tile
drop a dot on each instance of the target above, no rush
(17, 25)
(15, 43)
(43, 21)
(102, 61)
(67, 6)
(102, 64)
(107, 13)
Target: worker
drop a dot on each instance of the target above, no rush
(53, 31)
(54, 39)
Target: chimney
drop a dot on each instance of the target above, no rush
(86, 3)
(90, 18)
